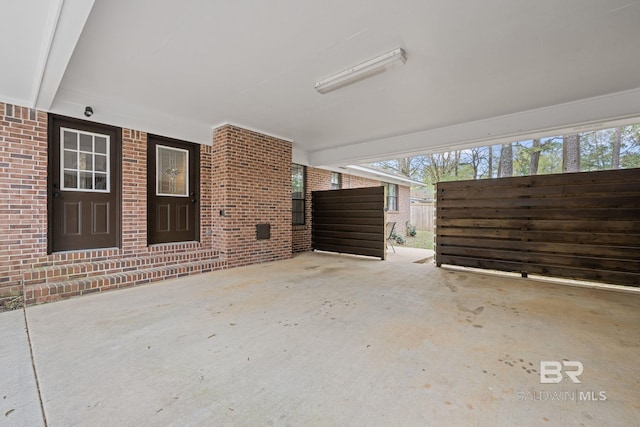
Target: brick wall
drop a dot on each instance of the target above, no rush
(353, 181)
(134, 191)
(245, 180)
(23, 193)
(316, 179)
(402, 215)
(252, 185)
(28, 272)
(320, 179)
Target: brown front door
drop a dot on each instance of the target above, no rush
(83, 185)
(172, 190)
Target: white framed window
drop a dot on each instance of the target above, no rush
(336, 180)
(391, 201)
(172, 171)
(298, 193)
(84, 161)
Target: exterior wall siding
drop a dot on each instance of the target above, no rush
(320, 179)
(245, 174)
(23, 200)
(245, 180)
(403, 214)
(252, 185)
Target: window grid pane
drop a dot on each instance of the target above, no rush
(336, 179)
(298, 194)
(391, 201)
(79, 161)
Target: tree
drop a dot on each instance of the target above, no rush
(505, 167)
(593, 150)
(476, 158)
(571, 153)
(490, 167)
(617, 143)
(630, 155)
(535, 157)
(407, 166)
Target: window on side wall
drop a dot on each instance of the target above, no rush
(391, 201)
(297, 194)
(336, 180)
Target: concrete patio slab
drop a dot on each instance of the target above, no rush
(19, 402)
(327, 340)
(405, 254)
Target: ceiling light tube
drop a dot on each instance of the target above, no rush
(362, 71)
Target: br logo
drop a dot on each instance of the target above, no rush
(551, 371)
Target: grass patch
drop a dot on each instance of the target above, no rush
(423, 240)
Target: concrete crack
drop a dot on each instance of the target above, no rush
(33, 365)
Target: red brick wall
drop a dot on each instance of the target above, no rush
(316, 179)
(402, 215)
(352, 181)
(320, 179)
(23, 193)
(252, 185)
(134, 191)
(23, 221)
(246, 174)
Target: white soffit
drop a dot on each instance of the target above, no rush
(67, 20)
(24, 31)
(39, 38)
(606, 111)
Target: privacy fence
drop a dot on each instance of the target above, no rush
(349, 221)
(422, 216)
(579, 225)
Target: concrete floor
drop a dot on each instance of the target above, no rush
(325, 340)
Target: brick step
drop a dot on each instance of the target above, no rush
(78, 270)
(54, 291)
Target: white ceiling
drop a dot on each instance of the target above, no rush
(476, 71)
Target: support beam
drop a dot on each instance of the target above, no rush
(610, 110)
(66, 23)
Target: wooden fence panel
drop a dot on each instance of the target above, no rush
(579, 225)
(422, 216)
(349, 221)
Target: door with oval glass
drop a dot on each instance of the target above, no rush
(83, 185)
(172, 190)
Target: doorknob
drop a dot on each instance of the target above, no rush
(57, 194)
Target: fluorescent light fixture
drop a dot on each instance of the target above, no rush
(362, 71)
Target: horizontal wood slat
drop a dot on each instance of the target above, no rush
(349, 250)
(544, 214)
(600, 177)
(598, 190)
(580, 226)
(377, 229)
(544, 202)
(621, 252)
(356, 235)
(542, 225)
(349, 221)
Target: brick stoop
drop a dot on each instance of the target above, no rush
(55, 282)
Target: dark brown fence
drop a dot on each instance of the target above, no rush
(349, 221)
(580, 225)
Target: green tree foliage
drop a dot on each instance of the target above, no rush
(598, 150)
